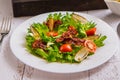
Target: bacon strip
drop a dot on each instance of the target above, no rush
(69, 37)
(38, 44)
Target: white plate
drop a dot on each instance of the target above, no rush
(17, 44)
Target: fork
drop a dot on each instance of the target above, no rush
(5, 27)
(118, 29)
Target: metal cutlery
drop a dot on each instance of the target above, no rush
(5, 27)
(118, 30)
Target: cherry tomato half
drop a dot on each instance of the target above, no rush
(66, 48)
(91, 31)
(90, 45)
(52, 33)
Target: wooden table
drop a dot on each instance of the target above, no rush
(13, 69)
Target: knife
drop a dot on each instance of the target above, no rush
(118, 30)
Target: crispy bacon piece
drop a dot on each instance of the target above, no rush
(69, 37)
(60, 39)
(69, 41)
(70, 33)
(38, 44)
(78, 41)
(72, 30)
(66, 35)
(75, 41)
(57, 23)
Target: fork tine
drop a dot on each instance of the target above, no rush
(5, 27)
(10, 22)
(2, 25)
(6, 24)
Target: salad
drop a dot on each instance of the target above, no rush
(64, 38)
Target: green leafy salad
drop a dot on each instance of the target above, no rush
(64, 38)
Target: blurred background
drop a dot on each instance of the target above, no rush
(19, 8)
(6, 7)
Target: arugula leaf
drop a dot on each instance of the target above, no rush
(81, 31)
(41, 28)
(67, 19)
(89, 25)
(29, 40)
(41, 53)
(99, 41)
(46, 39)
(55, 16)
(51, 56)
(62, 28)
(81, 28)
(53, 53)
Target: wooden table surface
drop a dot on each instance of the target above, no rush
(13, 69)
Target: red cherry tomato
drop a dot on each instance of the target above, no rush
(66, 48)
(90, 45)
(91, 31)
(52, 33)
